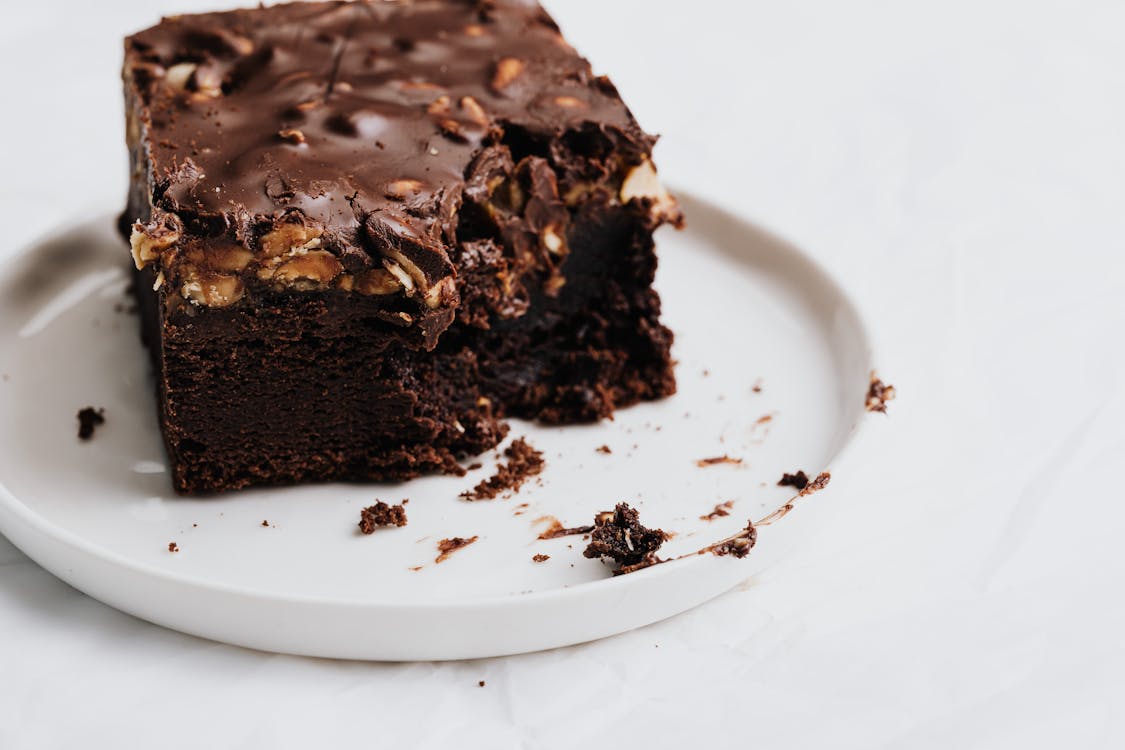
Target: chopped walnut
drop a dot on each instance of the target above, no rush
(210, 289)
(230, 258)
(474, 110)
(291, 135)
(376, 281)
(178, 75)
(312, 270)
(641, 183)
(288, 236)
(148, 240)
(400, 190)
(508, 69)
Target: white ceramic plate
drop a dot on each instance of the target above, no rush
(746, 308)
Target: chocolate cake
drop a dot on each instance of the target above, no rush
(88, 420)
(524, 462)
(619, 536)
(381, 514)
(799, 480)
(365, 232)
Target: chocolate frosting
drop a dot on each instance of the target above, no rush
(370, 119)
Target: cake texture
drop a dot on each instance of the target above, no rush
(366, 232)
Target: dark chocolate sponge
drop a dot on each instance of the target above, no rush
(365, 232)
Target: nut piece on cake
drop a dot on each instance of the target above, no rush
(366, 231)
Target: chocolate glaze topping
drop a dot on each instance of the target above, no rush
(457, 122)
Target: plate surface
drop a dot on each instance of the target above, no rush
(773, 366)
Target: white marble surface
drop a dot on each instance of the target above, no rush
(959, 166)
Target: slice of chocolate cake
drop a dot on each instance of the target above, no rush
(367, 231)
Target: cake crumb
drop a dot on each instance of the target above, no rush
(556, 529)
(817, 484)
(265, 524)
(799, 480)
(604, 449)
(447, 547)
(878, 394)
(757, 387)
(474, 466)
(738, 545)
(540, 558)
(524, 461)
(381, 514)
(714, 460)
(173, 547)
(720, 510)
(620, 536)
(480, 684)
(88, 420)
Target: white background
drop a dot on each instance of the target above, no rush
(960, 166)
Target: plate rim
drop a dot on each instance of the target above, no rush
(694, 202)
